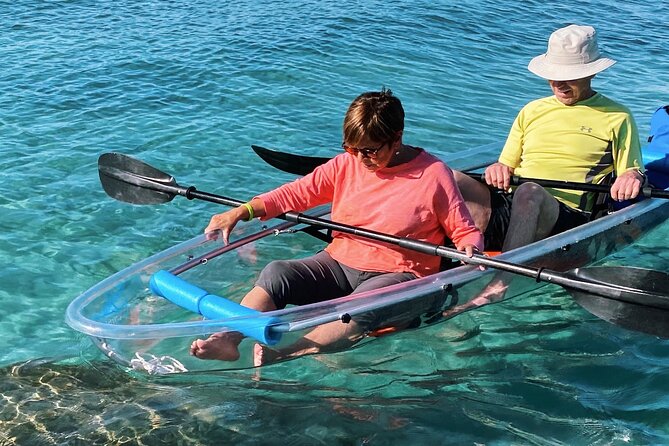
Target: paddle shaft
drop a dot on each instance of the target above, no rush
(647, 192)
(303, 164)
(539, 274)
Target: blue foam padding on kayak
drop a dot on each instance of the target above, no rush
(197, 300)
(657, 166)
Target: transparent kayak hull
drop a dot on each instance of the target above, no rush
(141, 330)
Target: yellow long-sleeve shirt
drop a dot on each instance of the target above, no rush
(581, 143)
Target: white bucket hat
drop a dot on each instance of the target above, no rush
(572, 54)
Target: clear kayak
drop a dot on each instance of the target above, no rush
(146, 316)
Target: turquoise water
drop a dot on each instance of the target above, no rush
(189, 86)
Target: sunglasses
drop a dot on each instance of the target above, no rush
(366, 152)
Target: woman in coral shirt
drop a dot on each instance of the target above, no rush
(378, 183)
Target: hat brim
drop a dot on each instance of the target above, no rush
(542, 68)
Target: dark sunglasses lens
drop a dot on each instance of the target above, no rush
(367, 153)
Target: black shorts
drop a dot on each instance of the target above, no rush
(498, 224)
(569, 218)
(500, 215)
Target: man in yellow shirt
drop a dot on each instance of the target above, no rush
(575, 135)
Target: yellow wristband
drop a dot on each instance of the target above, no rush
(250, 209)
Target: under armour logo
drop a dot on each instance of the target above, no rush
(586, 129)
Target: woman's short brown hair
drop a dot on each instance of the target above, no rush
(376, 115)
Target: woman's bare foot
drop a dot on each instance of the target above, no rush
(263, 355)
(221, 346)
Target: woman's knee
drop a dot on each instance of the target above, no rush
(277, 280)
(276, 268)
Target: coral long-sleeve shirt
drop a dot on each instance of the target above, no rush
(418, 199)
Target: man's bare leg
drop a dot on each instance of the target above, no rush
(534, 213)
(477, 199)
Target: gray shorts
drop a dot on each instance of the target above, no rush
(319, 278)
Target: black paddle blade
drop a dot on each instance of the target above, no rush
(126, 179)
(648, 287)
(288, 162)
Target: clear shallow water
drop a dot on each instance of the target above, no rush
(189, 87)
